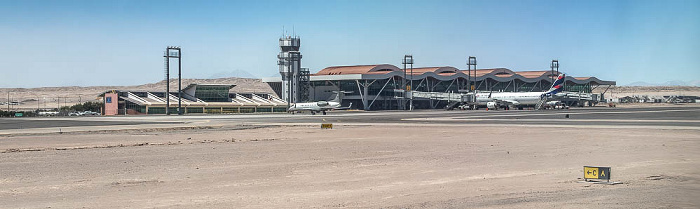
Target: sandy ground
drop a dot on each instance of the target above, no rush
(351, 166)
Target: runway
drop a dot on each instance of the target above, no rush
(681, 116)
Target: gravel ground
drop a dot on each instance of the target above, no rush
(351, 166)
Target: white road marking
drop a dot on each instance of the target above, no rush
(548, 120)
(578, 113)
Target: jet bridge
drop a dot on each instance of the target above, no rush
(454, 99)
(444, 96)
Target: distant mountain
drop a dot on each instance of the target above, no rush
(675, 83)
(233, 73)
(640, 83)
(667, 83)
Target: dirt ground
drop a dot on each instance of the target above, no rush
(351, 166)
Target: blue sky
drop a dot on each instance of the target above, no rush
(60, 43)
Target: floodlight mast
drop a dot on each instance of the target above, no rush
(408, 60)
(167, 81)
(554, 66)
(179, 81)
(167, 56)
(471, 62)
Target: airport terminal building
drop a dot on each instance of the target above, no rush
(368, 87)
(374, 87)
(196, 98)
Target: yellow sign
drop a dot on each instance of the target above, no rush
(472, 87)
(326, 126)
(408, 87)
(590, 172)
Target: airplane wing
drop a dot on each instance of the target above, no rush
(509, 102)
(341, 108)
(512, 102)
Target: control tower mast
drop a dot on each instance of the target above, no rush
(289, 61)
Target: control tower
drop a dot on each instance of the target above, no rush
(293, 76)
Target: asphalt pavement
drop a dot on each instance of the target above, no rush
(671, 116)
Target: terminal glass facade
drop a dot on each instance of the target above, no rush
(212, 93)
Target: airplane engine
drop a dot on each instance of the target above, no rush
(491, 105)
(322, 103)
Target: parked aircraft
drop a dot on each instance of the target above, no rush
(494, 100)
(320, 106)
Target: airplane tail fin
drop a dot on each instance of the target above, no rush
(338, 96)
(556, 86)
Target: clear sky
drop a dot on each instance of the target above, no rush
(92, 42)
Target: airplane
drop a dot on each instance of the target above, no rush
(320, 106)
(493, 100)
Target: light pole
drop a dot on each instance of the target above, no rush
(471, 62)
(176, 53)
(554, 65)
(403, 84)
(408, 60)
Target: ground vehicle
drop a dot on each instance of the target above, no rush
(90, 113)
(555, 105)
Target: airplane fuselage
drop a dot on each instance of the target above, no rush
(314, 106)
(515, 98)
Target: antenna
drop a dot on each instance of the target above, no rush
(294, 33)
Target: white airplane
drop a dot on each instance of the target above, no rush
(518, 99)
(320, 106)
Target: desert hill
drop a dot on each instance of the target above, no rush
(622, 91)
(50, 97)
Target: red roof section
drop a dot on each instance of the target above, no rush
(358, 69)
(532, 74)
(444, 71)
(437, 70)
(498, 71)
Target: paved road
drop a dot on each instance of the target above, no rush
(67, 122)
(656, 116)
(671, 116)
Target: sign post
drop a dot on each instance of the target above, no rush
(591, 172)
(326, 126)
